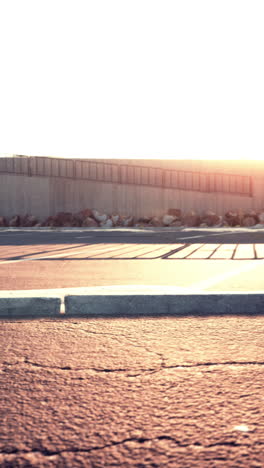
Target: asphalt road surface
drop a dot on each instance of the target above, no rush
(147, 392)
(213, 259)
(163, 392)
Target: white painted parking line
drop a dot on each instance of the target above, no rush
(244, 251)
(224, 252)
(94, 249)
(204, 252)
(259, 250)
(136, 250)
(161, 250)
(30, 259)
(115, 252)
(204, 235)
(181, 254)
(11, 252)
(251, 264)
(190, 237)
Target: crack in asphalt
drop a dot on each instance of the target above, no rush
(69, 368)
(139, 440)
(136, 372)
(74, 369)
(163, 359)
(215, 364)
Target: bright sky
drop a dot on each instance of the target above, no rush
(132, 78)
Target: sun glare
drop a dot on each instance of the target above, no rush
(143, 79)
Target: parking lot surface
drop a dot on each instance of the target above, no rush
(212, 259)
(164, 392)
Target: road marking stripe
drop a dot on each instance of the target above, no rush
(205, 235)
(251, 264)
(259, 250)
(64, 251)
(84, 251)
(98, 248)
(46, 257)
(204, 252)
(160, 251)
(183, 253)
(244, 251)
(124, 250)
(113, 248)
(147, 248)
(224, 251)
(44, 249)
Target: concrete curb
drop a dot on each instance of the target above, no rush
(29, 307)
(128, 301)
(179, 305)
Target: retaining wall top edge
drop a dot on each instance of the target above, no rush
(205, 165)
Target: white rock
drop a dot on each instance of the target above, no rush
(258, 226)
(115, 219)
(168, 219)
(129, 221)
(107, 224)
(101, 218)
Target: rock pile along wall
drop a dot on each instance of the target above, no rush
(44, 186)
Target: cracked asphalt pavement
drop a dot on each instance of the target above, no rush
(146, 392)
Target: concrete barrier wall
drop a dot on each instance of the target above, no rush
(44, 195)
